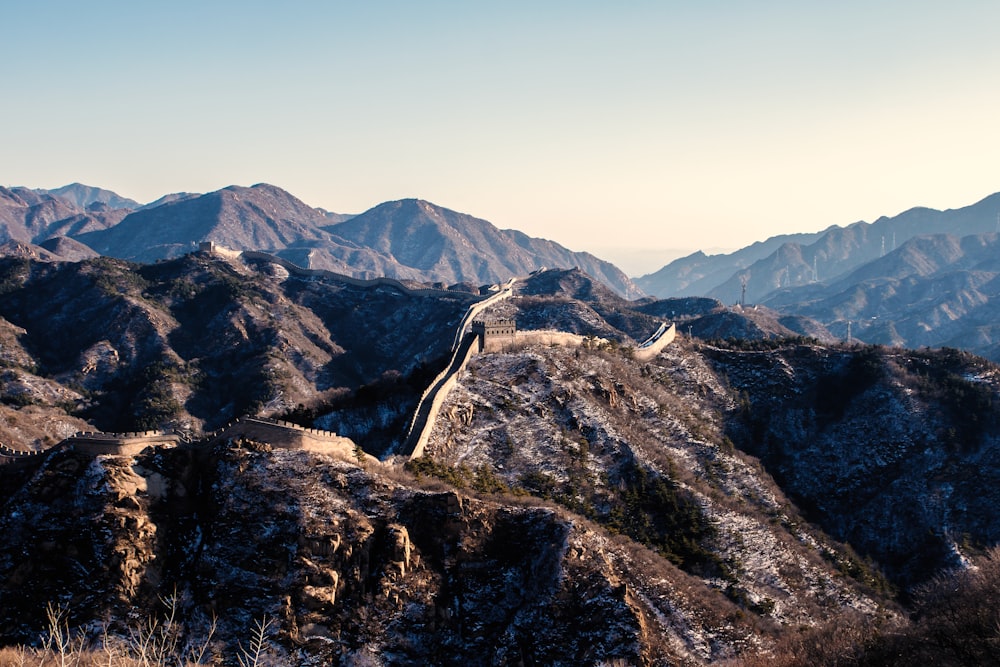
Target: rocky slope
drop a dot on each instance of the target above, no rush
(893, 451)
(575, 507)
(622, 445)
(345, 562)
(878, 446)
(195, 342)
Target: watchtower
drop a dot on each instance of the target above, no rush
(493, 334)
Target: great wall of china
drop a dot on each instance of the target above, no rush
(281, 434)
(502, 338)
(472, 336)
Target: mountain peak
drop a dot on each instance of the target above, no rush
(84, 195)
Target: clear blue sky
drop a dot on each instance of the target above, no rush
(626, 129)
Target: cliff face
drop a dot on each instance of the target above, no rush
(343, 560)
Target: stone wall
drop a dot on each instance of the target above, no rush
(213, 248)
(283, 435)
(123, 444)
(654, 344)
(286, 435)
(536, 337)
(475, 309)
(12, 453)
(433, 398)
(499, 338)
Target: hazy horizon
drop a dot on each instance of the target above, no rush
(619, 131)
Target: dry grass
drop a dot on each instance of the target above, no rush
(157, 641)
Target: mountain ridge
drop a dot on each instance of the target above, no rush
(577, 504)
(923, 277)
(769, 265)
(408, 239)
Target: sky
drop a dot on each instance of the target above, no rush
(638, 131)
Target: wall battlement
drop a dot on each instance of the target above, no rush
(213, 248)
(12, 453)
(494, 334)
(280, 434)
(499, 336)
(286, 435)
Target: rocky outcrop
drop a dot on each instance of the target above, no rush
(611, 437)
(342, 560)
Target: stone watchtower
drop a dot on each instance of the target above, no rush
(213, 248)
(494, 334)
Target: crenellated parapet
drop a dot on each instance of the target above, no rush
(494, 334)
(277, 433)
(286, 435)
(12, 453)
(122, 444)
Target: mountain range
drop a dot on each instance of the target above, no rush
(408, 239)
(923, 277)
(762, 499)
(801, 259)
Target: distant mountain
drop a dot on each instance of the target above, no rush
(706, 318)
(172, 197)
(333, 218)
(698, 273)
(443, 245)
(32, 216)
(924, 277)
(939, 290)
(67, 249)
(82, 196)
(789, 261)
(408, 239)
(261, 217)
